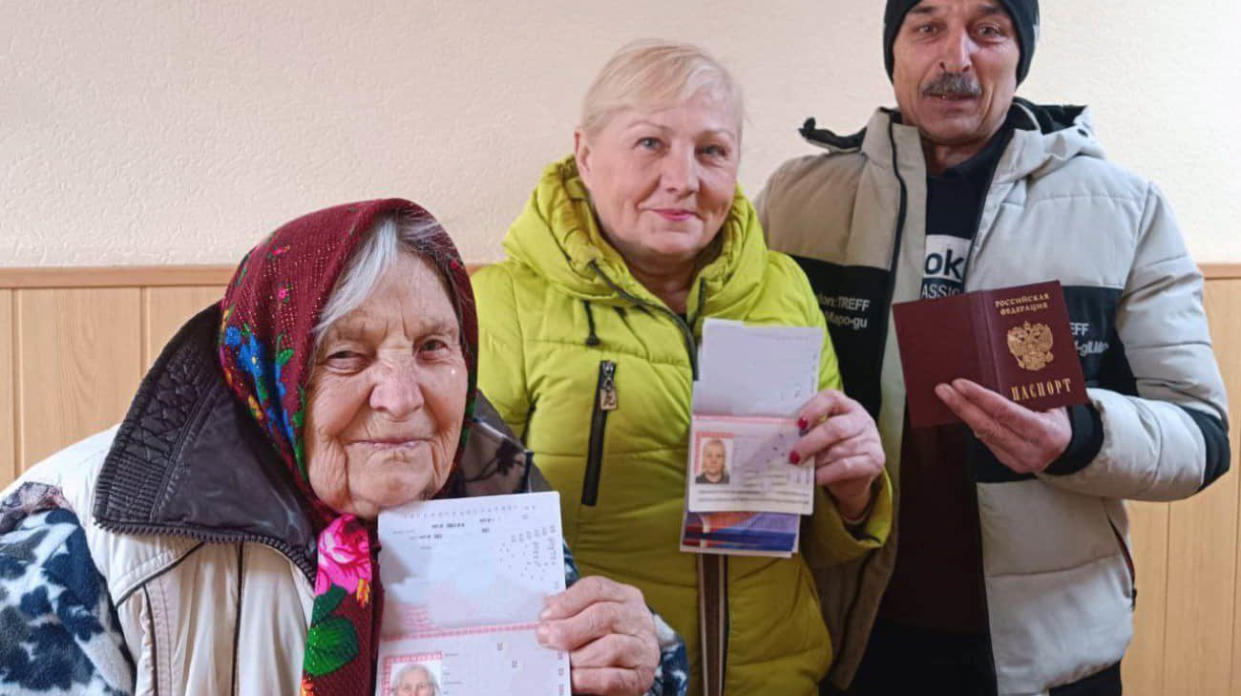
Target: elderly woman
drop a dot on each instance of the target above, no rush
(589, 333)
(334, 380)
(415, 680)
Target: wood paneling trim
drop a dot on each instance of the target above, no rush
(1221, 271)
(184, 276)
(125, 276)
(8, 374)
(115, 277)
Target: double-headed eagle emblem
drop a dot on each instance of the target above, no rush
(1031, 345)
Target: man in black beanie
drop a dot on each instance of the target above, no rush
(1023, 13)
(1008, 570)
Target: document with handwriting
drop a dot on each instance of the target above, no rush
(464, 581)
(764, 371)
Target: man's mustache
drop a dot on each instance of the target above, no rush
(952, 84)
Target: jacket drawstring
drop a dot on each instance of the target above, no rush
(702, 302)
(592, 339)
(691, 346)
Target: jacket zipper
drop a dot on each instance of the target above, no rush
(889, 296)
(154, 642)
(605, 402)
(969, 254)
(691, 349)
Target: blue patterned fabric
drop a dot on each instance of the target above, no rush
(58, 633)
(672, 674)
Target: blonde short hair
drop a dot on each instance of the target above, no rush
(656, 74)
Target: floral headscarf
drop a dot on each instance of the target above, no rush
(269, 312)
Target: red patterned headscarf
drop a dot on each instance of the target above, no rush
(270, 311)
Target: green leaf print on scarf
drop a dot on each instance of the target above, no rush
(330, 645)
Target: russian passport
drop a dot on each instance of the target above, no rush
(1015, 341)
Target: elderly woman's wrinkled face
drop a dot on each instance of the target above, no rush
(662, 181)
(387, 395)
(415, 682)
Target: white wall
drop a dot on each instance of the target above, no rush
(180, 131)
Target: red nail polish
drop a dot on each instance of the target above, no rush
(801, 424)
(794, 457)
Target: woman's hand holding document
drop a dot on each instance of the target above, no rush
(762, 436)
(845, 448)
(465, 582)
(608, 630)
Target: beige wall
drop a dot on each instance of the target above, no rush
(155, 132)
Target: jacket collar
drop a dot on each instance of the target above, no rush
(189, 461)
(1046, 138)
(557, 236)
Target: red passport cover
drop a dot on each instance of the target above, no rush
(1015, 341)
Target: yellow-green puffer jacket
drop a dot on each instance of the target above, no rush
(562, 304)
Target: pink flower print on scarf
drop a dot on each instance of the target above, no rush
(344, 556)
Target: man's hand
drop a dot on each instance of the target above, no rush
(609, 635)
(841, 438)
(1023, 440)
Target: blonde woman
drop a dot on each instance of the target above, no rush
(589, 334)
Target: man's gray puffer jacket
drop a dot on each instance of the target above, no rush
(1059, 577)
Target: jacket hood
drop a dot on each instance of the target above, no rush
(1046, 138)
(557, 236)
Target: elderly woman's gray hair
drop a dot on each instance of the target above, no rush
(652, 74)
(394, 234)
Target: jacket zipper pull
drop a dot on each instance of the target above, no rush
(608, 400)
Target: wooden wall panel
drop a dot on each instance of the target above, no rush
(80, 354)
(166, 309)
(8, 434)
(1224, 302)
(1202, 547)
(74, 343)
(1202, 557)
(1143, 666)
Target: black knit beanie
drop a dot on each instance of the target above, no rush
(1023, 12)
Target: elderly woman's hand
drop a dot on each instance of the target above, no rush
(840, 437)
(609, 634)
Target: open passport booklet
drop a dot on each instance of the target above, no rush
(465, 579)
(464, 582)
(743, 497)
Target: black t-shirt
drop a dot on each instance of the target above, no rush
(954, 203)
(938, 583)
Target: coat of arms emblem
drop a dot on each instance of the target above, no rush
(1031, 345)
